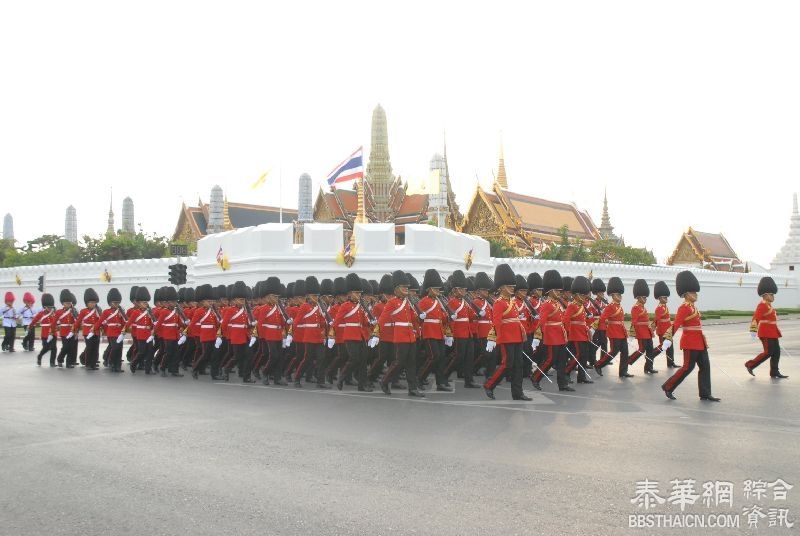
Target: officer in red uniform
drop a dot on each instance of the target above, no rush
(663, 322)
(112, 322)
(577, 321)
(272, 322)
(237, 324)
(131, 310)
(483, 324)
(435, 329)
(46, 318)
(205, 321)
(614, 318)
(765, 327)
(187, 349)
(297, 332)
(386, 344)
(693, 342)
(140, 325)
(596, 305)
(400, 316)
(339, 359)
(535, 287)
(315, 332)
(350, 323)
(86, 324)
(552, 333)
(508, 334)
(170, 326)
(462, 315)
(64, 324)
(642, 329)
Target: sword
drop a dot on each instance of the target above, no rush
(783, 349)
(537, 366)
(578, 362)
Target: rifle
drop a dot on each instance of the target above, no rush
(250, 318)
(179, 310)
(370, 316)
(284, 314)
(415, 305)
(122, 314)
(324, 309)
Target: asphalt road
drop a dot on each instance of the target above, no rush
(99, 453)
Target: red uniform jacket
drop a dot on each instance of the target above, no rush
(140, 324)
(464, 316)
(688, 318)
(551, 322)
(399, 316)
(377, 311)
(156, 314)
(237, 324)
(663, 320)
(64, 321)
(204, 322)
(640, 320)
(597, 307)
(524, 311)
(270, 322)
(765, 321)
(46, 318)
(613, 317)
(87, 321)
(111, 323)
(508, 328)
(575, 321)
(435, 318)
(483, 324)
(309, 324)
(169, 324)
(191, 330)
(351, 321)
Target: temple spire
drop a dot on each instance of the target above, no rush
(606, 230)
(788, 258)
(110, 229)
(379, 168)
(501, 179)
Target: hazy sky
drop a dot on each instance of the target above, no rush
(687, 111)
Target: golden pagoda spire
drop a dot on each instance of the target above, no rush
(226, 217)
(501, 179)
(361, 216)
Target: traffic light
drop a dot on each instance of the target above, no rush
(40, 286)
(181, 273)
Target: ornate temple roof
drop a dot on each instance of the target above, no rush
(709, 250)
(193, 221)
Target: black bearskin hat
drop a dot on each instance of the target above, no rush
(312, 285)
(142, 294)
(132, 295)
(399, 279)
(660, 289)
(47, 300)
(90, 294)
(520, 283)
(272, 286)
(598, 285)
(432, 279)
(504, 275)
(385, 286)
(482, 281)
(686, 282)
(767, 286)
(566, 283)
(353, 283)
(552, 281)
(641, 288)
(339, 286)
(188, 295)
(239, 290)
(535, 281)
(615, 286)
(581, 285)
(326, 287)
(458, 280)
(112, 296)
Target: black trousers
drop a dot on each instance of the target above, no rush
(581, 350)
(669, 352)
(187, 351)
(555, 356)
(404, 358)
(690, 358)
(144, 355)
(48, 347)
(205, 353)
(92, 352)
(27, 341)
(217, 357)
(311, 359)
(356, 362)
(510, 360)
(463, 358)
(600, 339)
(243, 361)
(645, 349)
(69, 350)
(385, 356)
(434, 349)
(274, 359)
(9, 335)
(114, 354)
(772, 350)
(171, 359)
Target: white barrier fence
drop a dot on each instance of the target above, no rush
(255, 253)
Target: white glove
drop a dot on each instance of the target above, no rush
(331, 342)
(150, 339)
(69, 335)
(288, 321)
(182, 340)
(422, 316)
(535, 344)
(288, 341)
(373, 322)
(522, 317)
(666, 346)
(453, 317)
(631, 340)
(482, 313)
(49, 338)
(591, 333)
(753, 335)
(120, 338)
(89, 336)
(490, 346)
(218, 343)
(252, 341)
(448, 341)
(373, 342)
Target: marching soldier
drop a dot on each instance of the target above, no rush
(641, 328)
(578, 321)
(765, 327)
(238, 325)
(508, 334)
(462, 315)
(597, 304)
(64, 322)
(206, 322)
(26, 314)
(273, 323)
(552, 333)
(614, 318)
(434, 330)
(311, 321)
(86, 324)
(483, 324)
(350, 322)
(693, 341)
(170, 324)
(663, 322)
(46, 319)
(112, 322)
(401, 317)
(140, 325)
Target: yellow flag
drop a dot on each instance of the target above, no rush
(430, 185)
(261, 180)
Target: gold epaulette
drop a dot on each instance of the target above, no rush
(632, 331)
(331, 332)
(596, 324)
(492, 336)
(376, 331)
(668, 334)
(754, 326)
(538, 333)
(449, 332)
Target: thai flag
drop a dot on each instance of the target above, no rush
(352, 168)
(219, 254)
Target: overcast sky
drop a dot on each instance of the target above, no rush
(688, 112)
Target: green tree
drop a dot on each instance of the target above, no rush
(501, 249)
(124, 246)
(47, 249)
